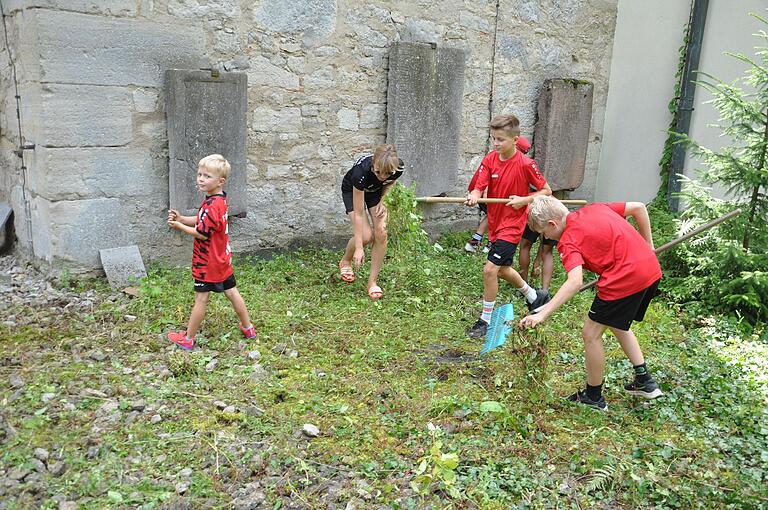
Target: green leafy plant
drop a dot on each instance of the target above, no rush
(436, 470)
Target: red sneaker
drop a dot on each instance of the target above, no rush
(181, 340)
(249, 332)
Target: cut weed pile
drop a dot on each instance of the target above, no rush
(100, 411)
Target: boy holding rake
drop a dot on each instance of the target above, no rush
(599, 239)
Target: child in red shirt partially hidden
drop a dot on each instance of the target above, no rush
(211, 255)
(599, 239)
(505, 173)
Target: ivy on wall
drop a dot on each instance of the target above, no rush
(673, 107)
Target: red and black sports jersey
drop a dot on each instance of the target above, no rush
(212, 257)
(504, 179)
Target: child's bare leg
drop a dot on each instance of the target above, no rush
(239, 305)
(548, 265)
(594, 355)
(524, 257)
(491, 281)
(629, 345)
(349, 251)
(482, 227)
(198, 312)
(379, 249)
(537, 263)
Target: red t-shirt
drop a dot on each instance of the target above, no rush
(503, 179)
(212, 258)
(599, 238)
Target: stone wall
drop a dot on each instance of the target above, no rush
(91, 75)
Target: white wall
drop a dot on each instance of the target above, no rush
(729, 28)
(645, 59)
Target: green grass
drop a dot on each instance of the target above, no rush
(372, 376)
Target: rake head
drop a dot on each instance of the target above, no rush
(499, 328)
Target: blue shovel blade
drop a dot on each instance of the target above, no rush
(499, 328)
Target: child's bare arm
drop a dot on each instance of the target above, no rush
(173, 215)
(569, 289)
(639, 212)
(191, 230)
(517, 201)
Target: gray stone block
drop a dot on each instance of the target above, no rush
(77, 173)
(315, 19)
(206, 115)
(79, 48)
(562, 131)
(424, 103)
(123, 266)
(85, 116)
(113, 7)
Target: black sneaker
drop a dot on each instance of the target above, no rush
(648, 389)
(478, 330)
(582, 398)
(542, 298)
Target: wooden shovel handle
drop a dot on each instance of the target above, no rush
(461, 200)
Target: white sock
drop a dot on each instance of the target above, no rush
(529, 292)
(487, 310)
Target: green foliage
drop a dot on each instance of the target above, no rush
(436, 469)
(724, 269)
(406, 234)
(370, 375)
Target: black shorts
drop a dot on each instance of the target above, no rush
(531, 235)
(483, 209)
(619, 313)
(372, 198)
(502, 252)
(227, 284)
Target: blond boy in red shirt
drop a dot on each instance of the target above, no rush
(599, 239)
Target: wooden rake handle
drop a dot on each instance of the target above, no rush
(461, 200)
(675, 242)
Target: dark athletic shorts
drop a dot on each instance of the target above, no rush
(619, 313)
(502, 252)
(483, 209)
(227, 284)
(372, 198)
(532, 236)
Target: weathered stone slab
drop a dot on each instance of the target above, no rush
(123, 266)
(77, 173)
(113, 7)
(85, 116)
(206, 115)
(79, 48)
(562, 131)
(424, 102)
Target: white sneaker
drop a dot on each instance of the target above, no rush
(486, 248)
(470, 248)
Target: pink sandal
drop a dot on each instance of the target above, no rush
(346, 273)
(375, 292)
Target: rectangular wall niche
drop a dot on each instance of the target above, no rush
(424, 99)
(205, 115)
(562, 131)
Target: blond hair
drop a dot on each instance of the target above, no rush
(216, 163)
(509, 123)
(545, 208)
(385, 159)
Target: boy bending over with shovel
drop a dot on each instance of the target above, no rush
(598, 238)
